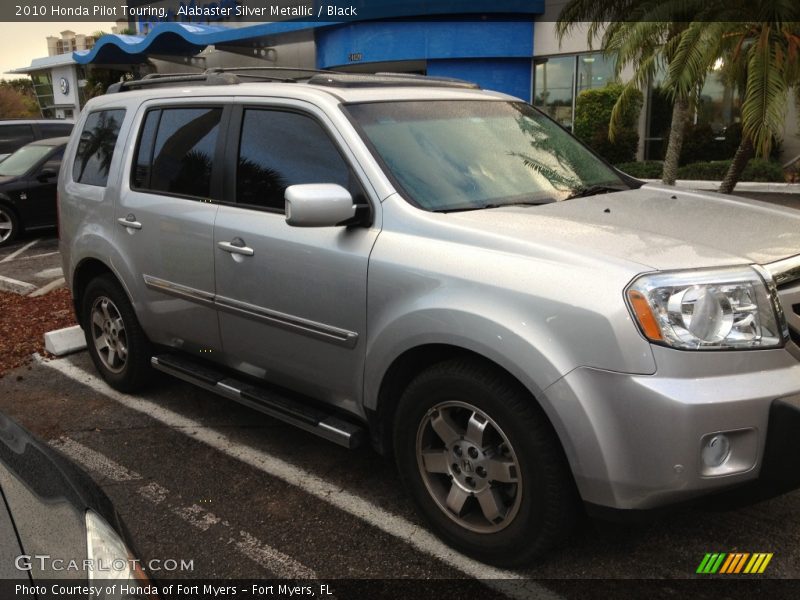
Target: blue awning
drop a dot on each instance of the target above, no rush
(179, 39)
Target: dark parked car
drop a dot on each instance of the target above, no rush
(53, 518)
(28, 181)
(15, 133)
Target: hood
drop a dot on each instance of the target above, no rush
(658, 227)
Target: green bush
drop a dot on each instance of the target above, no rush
(648, 169)
(715, 170)
(592, 115)
(711, 170)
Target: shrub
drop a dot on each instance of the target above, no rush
(648, 169)
(592, 115)
(712, 170)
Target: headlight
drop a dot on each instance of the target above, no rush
(110, 559)
(708, 309)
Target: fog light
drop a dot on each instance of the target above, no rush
(716, 451)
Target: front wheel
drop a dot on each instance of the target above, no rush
(483, 464)
(116, 342)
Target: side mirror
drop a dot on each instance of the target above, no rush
(318, 205)
(47, 174)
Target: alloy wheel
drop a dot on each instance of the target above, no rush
(108, 334)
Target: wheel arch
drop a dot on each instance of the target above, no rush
(414, 361)
(86, 270)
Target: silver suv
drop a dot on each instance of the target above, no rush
(447, 273)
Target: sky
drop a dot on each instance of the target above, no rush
(20, 43)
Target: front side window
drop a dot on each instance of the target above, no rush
(176, 150)
(462, 155)
(279, 149)
(96, 147)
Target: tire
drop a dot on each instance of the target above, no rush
(493, 428)
(117, 344)
(9, 225)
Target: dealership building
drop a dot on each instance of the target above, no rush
(505, 45)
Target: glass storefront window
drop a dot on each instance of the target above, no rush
(554, 87)
(559, 79)
(594, 71)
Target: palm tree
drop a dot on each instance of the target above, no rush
(642, 35)
(763, 55)
(760, 39)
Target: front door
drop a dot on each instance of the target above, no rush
(292, 301)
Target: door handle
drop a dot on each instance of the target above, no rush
(130, 222)
(236, 246)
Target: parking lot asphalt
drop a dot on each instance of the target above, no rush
(30, 263)
(201, 478)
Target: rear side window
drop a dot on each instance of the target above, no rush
(279, 149)
(96, 147)
(14, 136)
(175, 151)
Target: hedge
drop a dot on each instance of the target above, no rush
(712, 170)
(592, 115)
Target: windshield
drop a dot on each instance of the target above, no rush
(23, 160)
(462, 155)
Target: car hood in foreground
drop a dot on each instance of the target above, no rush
(658, 227)
(47, 497)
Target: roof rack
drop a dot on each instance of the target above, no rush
(167, 80)
(355, 80)
(236, 75)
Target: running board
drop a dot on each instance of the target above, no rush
(273, 403)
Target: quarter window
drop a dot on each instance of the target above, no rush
(279, 149)
(176, 150)
(96, 147)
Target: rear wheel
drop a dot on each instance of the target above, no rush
(483, 464)
(116, 342)
(9, 225)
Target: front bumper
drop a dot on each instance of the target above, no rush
(634, 441)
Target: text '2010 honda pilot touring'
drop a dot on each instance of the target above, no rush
(446, 272)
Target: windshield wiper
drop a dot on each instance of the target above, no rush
(521, 203)
(593, 190)
(497, 205)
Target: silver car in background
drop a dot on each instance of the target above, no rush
(446, 272)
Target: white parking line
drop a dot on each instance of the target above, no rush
(94, 461)
(314, 485)
(19, 251)
(251, 547)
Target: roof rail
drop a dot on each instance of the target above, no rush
(354, 80)
(271, 69)
(167, 80)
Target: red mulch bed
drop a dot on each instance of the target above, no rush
(24, 321)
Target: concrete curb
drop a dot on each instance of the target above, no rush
(16, 286)
(64, 341)
(55, 284)
(742, 186)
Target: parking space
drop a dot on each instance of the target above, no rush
(30, 264)
(200, 478)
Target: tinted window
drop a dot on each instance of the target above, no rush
(55, 129)
(178, 159)
(279, 149)
(96, 147)
(14, 136)
(144, 150)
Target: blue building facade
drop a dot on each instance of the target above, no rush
(489, 42)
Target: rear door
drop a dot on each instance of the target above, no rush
(165, 219)
(292, 308)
